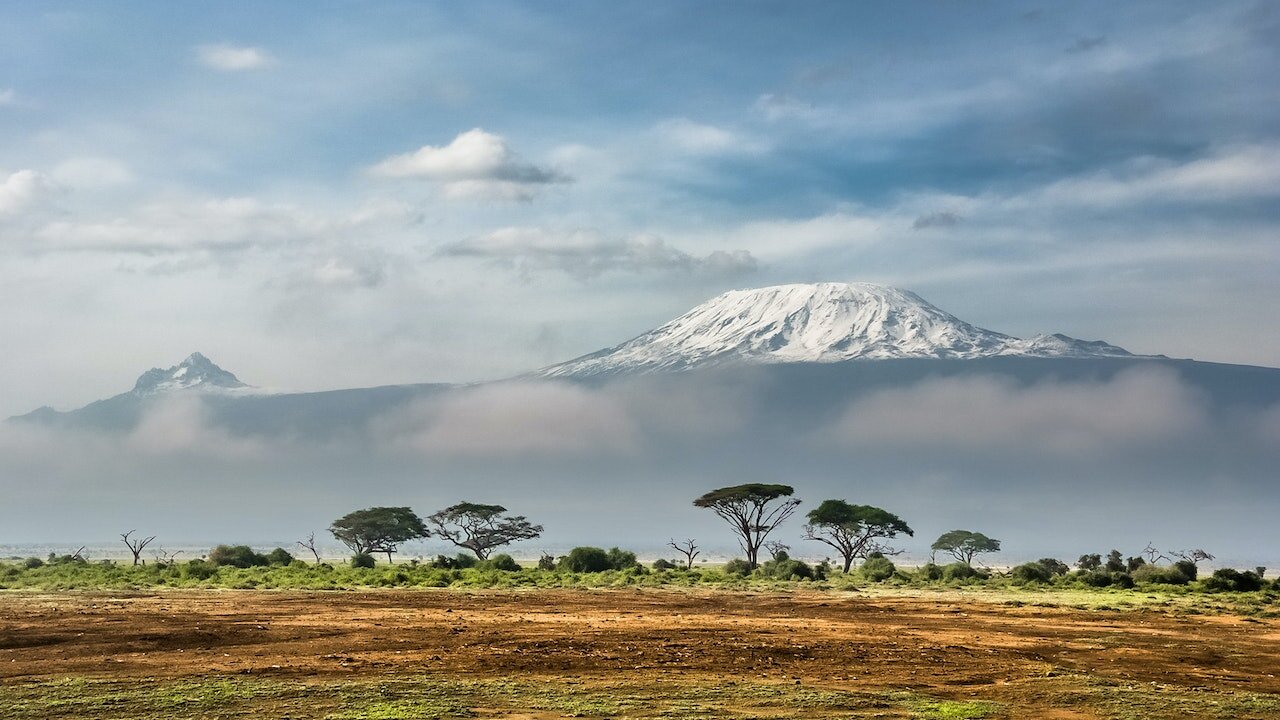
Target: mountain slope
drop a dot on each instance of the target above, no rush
(820, 323)
(196, 372)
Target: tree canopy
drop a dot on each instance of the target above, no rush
(753, 511)
(854, 531)
(481, 528)
(378, 529)
(963, 545)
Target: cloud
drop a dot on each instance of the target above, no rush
(475, 164)
(936, 219)
(92, 172)
(343, 272)
(1136, 408)
(22, 189)
(233, 58)
(516, 419)
(1085, 44)
(586, 254)
(8, 97)
(694, 138)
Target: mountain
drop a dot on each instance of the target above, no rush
(817, 323)
(196, 372)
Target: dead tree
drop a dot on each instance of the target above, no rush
(1192, 556)
(686, 548)
(164, 557)
(136, 545)
(310, 544)
(1153, 555)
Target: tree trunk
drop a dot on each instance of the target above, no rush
(848, 563)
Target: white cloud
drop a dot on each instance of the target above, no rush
(695, 138)
(475, 164)
(92, 172)
(343, 272)
(1139, 407)
(20, 190)
(8, 97)
(517, 419)
(586, 253)
(233, 58)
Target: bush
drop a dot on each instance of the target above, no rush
(1054, 566)
(1032, 572)
(363, 560)
(198, 570)
(546, 562)
(661, 564)
(960, 571)
(1230, 580)
(280, 557)
(1188, 568)
(877, 568)
(32, 563)
(502, 562)
(586, 559)
(783, 567)
(930, 571)
(737, 566)
(241, 556)
(621, 559)
(1171, 575)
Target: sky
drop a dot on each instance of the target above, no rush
(333, 195)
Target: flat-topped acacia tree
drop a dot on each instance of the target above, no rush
(853, 530)
(378, 529)
(481, 528)
(963, 545)
(753, 511)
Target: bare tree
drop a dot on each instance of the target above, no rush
(775, 548)
(1153, 555)
(310, 544)
(164, 557)
(136, 545)
(686, 548)
(1191, 556)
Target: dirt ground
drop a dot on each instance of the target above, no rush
(1027, 661)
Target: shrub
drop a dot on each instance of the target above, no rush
(198, 570)
(546, 562)
(661, 564)
(502, 562)
(1054, 566)
(1230, 580)
(586, 559)
(737, 566)
(621, 559)
(32, 563)
(241, 556)
(877, 568)
(1032, 572)
(783, 567)
(930, 571)
(1188, 568)
(363, 560)
(960, 571)
(280, 557)
(1171, 575)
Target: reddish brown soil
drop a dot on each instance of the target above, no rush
(949, 649)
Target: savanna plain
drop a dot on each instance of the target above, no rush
(778, 650)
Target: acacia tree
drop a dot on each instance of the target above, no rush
(964, 544)
(481, 528)
(853, 530)
(753, 511)
(136, 545)
(378, 529)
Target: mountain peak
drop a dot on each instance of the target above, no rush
(194, 372)
(819, 322)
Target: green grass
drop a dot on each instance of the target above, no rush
(431, 698)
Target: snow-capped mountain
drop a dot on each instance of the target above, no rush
(196, 372)
(817, 323)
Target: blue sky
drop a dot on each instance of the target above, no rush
(340, 194)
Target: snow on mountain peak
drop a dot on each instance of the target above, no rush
(195, 372)
(821, 322)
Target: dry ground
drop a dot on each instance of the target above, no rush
(632, 653)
